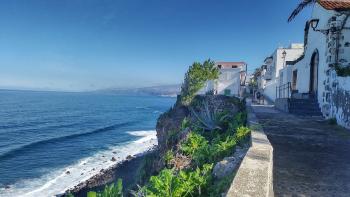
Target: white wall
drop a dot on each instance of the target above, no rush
(329, 84)
(277, 64)
(229, 79)
(270, 89)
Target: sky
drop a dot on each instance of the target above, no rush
(80, 45)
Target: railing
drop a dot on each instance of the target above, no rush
(284, 91)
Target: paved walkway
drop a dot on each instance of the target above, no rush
(311, 157)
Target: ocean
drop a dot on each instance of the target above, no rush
(51, 141)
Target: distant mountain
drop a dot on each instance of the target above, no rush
(166, 90)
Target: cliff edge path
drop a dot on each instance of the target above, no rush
(311, 157)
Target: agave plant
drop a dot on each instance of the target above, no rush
(209, 119)
(300, 7)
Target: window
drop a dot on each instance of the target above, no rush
(234, 66)
(220, 66)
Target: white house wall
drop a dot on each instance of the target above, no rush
(277, 65)
(333, 91)
(229, 80)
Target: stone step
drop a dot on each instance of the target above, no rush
(306, 112)
(304, 106)
(308, 107)
(303, 102)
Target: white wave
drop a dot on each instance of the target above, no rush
(59, 180)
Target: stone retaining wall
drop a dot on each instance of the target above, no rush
(254, 177)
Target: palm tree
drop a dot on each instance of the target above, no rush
(300, 7)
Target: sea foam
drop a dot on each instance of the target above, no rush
(58, 181)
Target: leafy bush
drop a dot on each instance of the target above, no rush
(70, 195)
(342, 71)
(221, 149)
(168, 157)
(183, 183)
(242, 134)
(91, 194)
(193, 143)
(195, 78)
(110, 190)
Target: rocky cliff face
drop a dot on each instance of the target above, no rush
(169, 124)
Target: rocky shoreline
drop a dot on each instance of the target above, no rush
(127, 170)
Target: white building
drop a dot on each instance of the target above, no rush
(327, 49)
(271, 75)
(231, 80)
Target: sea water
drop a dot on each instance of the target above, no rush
(52, 141)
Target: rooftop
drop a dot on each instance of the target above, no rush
(226, 65)
(335, 4)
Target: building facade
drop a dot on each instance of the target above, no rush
(273, 71)
(231, 81)
(323, 70)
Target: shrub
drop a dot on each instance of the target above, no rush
(239, 120)
(193, 143)
(183, 183)
(110, 190)
(242, 134)
(70, 195)
(91, 194)
(168, 157)
(221, 149)
(342, 71)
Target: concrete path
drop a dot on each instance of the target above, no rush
(311, 157)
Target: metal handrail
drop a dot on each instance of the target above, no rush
(284, 91)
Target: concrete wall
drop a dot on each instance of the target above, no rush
(254, 176)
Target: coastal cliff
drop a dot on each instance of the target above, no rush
(214, 119)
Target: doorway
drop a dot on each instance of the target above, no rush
(294, 80)
(314, 73)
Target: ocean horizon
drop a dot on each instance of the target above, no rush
(52, 141)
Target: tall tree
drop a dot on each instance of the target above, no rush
(300, 7)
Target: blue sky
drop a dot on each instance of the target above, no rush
(95, 44)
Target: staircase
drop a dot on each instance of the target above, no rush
(304, 107)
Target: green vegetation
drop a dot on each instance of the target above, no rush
(342, 71)
(204, 149)
(168, 157)
(195, 78)
(179, 184)
(204, 138)
(113, 190)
